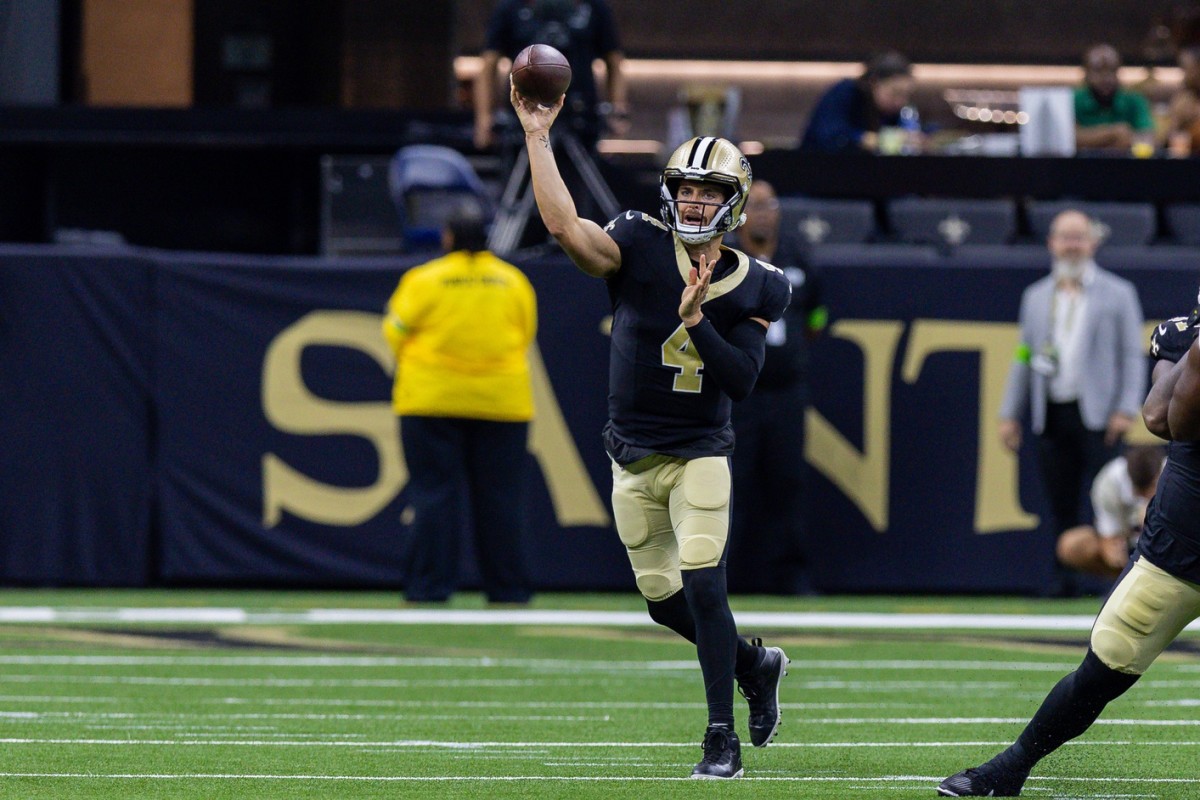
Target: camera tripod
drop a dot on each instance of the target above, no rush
(517, 203)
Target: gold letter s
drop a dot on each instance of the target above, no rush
(291, 407)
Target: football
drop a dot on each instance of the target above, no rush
(541, 73)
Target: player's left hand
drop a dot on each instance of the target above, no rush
(694, 293)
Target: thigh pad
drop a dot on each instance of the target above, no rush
(1144, 614)
(700, 512)
(644, 527)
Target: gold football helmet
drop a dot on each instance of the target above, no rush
(710, 160)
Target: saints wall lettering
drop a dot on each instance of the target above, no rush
(997, 501)
(290, 406)
(863, 475)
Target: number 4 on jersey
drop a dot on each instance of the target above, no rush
(679, 354)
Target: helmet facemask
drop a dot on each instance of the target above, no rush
(712, 161)
(697, 232)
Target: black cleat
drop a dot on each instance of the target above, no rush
(982, 781)
(722, 755)
(761, 689)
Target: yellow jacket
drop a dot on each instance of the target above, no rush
(461, 326)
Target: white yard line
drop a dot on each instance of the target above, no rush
(545, 665)
(70, 717)
(778, 620)
(74, 716)
(449, 778)
(406, 704)
(814, 779)
(537, 749)
(430, 744)
(401, 683)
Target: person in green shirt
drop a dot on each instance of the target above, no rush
(1107, 116)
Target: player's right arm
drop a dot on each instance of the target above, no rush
(1158, 402)
(592, 250)
(1183, 413)
(1170, 344)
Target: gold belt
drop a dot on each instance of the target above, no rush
(651, 461)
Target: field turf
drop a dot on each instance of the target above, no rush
(264, 695)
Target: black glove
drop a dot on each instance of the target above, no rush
(1171, 340)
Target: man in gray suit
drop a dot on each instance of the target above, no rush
(1080, 371)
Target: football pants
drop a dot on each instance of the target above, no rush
(1144, 614)
(671, 517)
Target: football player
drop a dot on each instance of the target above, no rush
(1153, 600)
(688, 336)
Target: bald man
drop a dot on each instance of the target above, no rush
(1079, 374)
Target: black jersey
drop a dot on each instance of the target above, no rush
(659, 400)
(1171, 536)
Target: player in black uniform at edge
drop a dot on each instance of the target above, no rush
(1153, 600)
(689, 327)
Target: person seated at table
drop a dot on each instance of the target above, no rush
(850, 114)
(1106, 115)
(1184, 114)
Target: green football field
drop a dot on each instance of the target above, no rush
(186, 694)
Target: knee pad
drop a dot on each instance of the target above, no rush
(702, 541)
(701, 512)
(656, 571)
(1144, 613)
(655, 586)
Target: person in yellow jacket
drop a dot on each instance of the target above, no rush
(461, 327)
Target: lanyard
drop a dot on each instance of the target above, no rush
(1072, 301)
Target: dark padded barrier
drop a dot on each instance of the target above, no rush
(76, 417)
(181, 419)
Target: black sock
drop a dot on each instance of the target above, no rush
(1069, 710)
(673, 613)
(716, 639)
(746, 658)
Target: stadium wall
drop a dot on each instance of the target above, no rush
(195, 419)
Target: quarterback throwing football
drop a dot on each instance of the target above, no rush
(688, 337)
